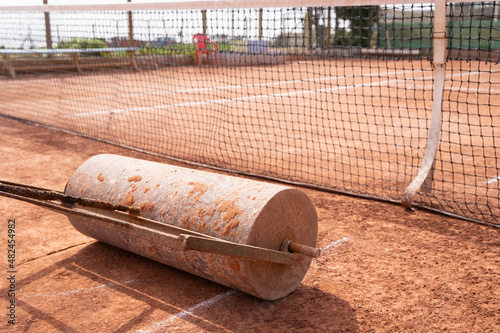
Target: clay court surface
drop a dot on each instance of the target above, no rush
(358, 125)
(383, 269)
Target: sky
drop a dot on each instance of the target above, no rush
(27, 29)
(91, 2)
(73, 2)
(23, 27)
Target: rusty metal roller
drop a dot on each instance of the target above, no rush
(225, 211)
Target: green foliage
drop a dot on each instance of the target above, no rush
(342, 38)
(408, 35)
(155, 51)
(474, 35)
(361, 20)
(82, 43)
(223, 47)
(179, 49)
(174, 49)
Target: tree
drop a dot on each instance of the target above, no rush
(361, 22)
(82, 43)
(315, 28)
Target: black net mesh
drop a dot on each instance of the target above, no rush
(333, 97)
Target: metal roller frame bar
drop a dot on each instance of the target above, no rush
(165, 234)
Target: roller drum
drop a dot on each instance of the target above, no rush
(234, 209)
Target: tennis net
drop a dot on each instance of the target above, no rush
(334, 97)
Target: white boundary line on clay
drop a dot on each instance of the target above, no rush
(335, 243)
(160, 326)
(255, 97)
(492, 180)
(76, 291)
(230, 87)
(469, 90)
(239, 99)
(265, 84)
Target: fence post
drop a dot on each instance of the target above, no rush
(260, 23)
(308, 31)
(329, 28)
(204, 19)
(48, 32)
(426, 172)
(130, 28)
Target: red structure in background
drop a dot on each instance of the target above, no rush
(205, 45)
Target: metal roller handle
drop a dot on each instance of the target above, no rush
(308, 251)
(113, 217)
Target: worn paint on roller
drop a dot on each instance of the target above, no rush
(134, 179)
(233, 224)
(129, 200)
(234, 209)
(198, 190)
(147, 206)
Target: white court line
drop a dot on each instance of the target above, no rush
(462, 89)
(335, 243)
(229, 87)
(254, 97)
(76, 291)
(460, 159)
(492, 180)
(236, 99)
(160, 326)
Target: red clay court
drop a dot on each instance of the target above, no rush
(344, 121)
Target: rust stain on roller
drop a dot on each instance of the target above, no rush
(146, 189)
(135, 178)
(100, 177)
(202, 213)
(147, 206)
(231, 214)
(129, 200)
(198, 190)
(229, 210)
(187, 222)
(230, 226)
(154, 249)
(233, 264)
(202, 227)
